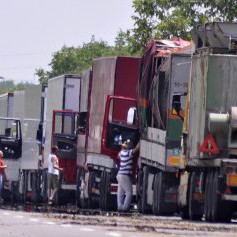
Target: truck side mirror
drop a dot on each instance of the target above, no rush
(131, 115)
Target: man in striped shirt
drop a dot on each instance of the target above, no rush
(124, 177)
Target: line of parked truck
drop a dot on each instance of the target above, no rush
(179, 100)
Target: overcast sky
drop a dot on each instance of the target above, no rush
(32, 30)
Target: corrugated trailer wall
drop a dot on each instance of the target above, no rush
(126, 77)
(111, 76)
(6, 101)
(17, 112)
(213, 89)
(103, 70)
(62, 94)
(85, 80)
(54, 101)
(30, 149)
(84, 103)
(3, 105)
(19, 104)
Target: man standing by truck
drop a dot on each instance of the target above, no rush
(2, 174)
(124, 177)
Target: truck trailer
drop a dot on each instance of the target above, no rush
(22, 111)
(162, 90)
(108, 93)
(31, 167)
(11, 141)
(63, 95)
(208, 182)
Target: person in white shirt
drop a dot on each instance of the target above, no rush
(53, 174)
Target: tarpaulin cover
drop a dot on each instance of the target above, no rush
(155, 49)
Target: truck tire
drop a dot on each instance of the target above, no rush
(25, 186)
(208, 192)
(184, 212)
(107, 201)
(110, 200)
(78, 187)
(44, 186)
(81, 201)
(143, 207)
(91, 185)
(14, 193)
(34, 197)
(158, 194)
(220, 209)
(22, 185)
(195, 208)
(138, 185)
(101, 197)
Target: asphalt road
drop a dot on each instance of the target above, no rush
(19, 224)
(15, 223)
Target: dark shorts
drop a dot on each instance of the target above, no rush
(52, 181)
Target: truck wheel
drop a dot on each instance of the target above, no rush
(184, 212)
(142, 205)
(91, 185)
(208, 191)
(78, 187)
(44, 186)
(35, 196)
(195, 208)
(139, 189)
(14, 194)
(22, 187)
(103, 191)
(81, 200)
(158, 194)
(220, 209)
(102, 184)
(138, 185)
(108, 201)
(25, 186)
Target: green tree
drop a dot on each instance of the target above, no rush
(43, 76)
(9, 86)
(76, 60)
(164, 18)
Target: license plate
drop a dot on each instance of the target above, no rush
(231, 180)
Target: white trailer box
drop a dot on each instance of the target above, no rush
(63, 94)
(15, 108)
(30, 124)
(6, 107)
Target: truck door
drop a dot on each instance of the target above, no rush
(11, 138)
